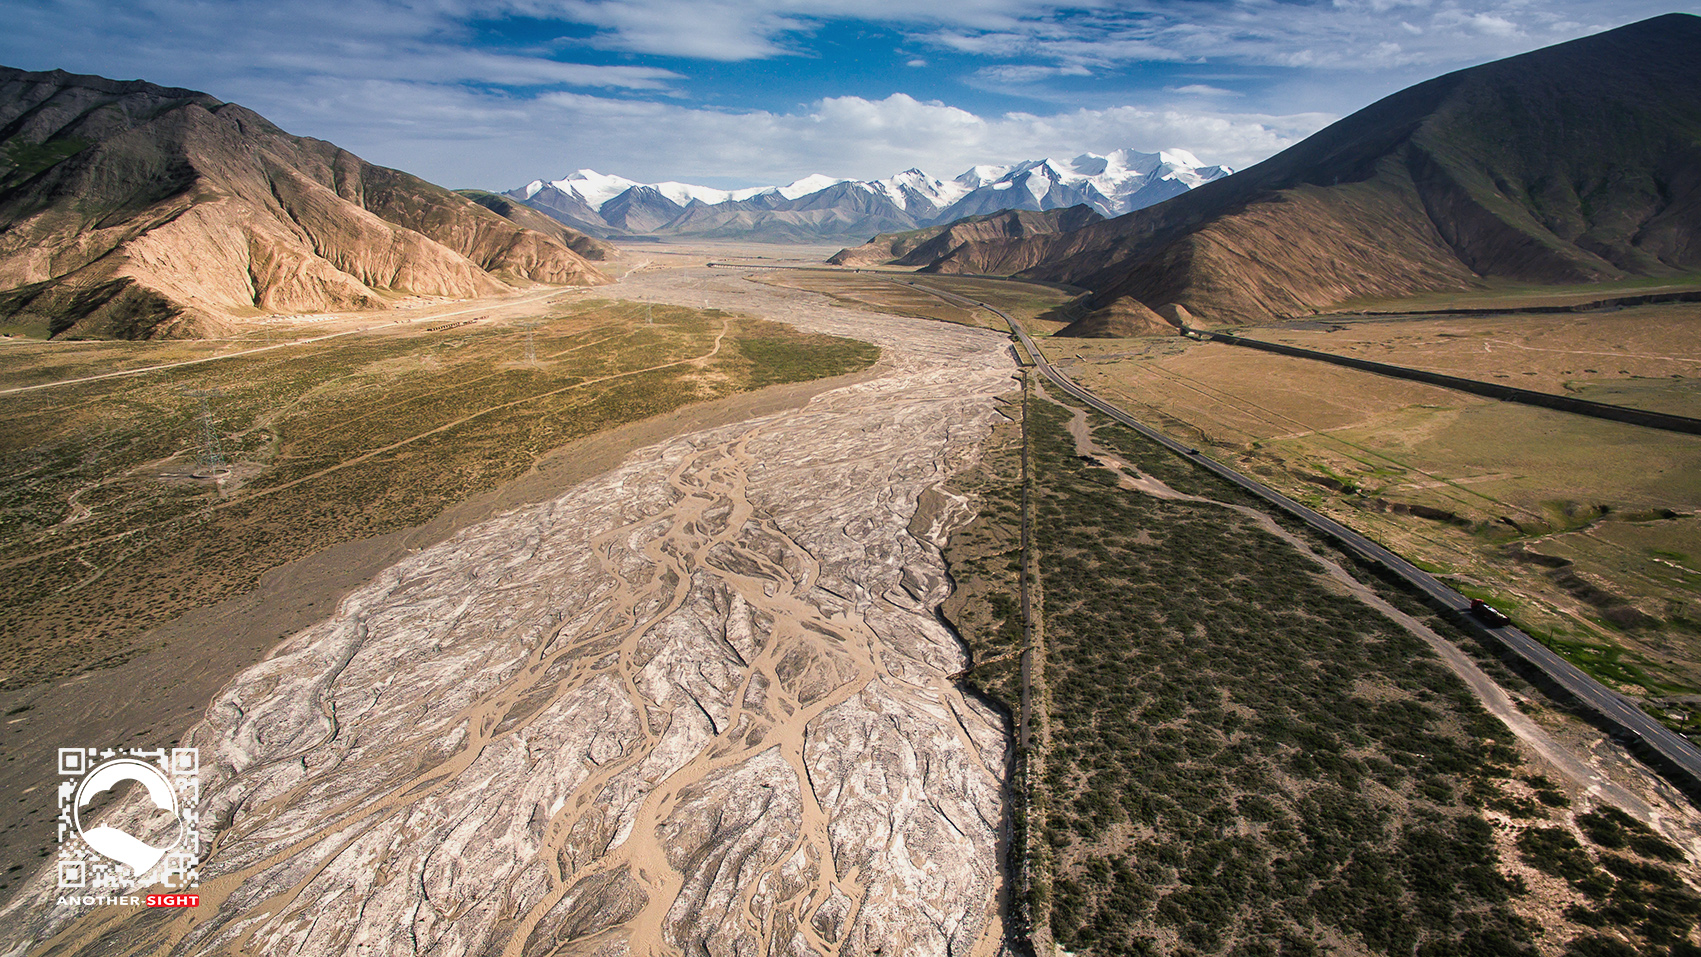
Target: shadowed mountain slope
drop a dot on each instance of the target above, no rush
(526, 217)
(131, 210)
(1576, 163)
(918, 247)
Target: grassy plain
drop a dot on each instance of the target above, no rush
(108, 531)
(1239, 759)
(1642, 356)
(1585, 531)
(1044, 309)
(1504, 294)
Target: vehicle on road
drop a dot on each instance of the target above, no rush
(1488, 614)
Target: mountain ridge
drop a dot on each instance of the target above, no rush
(819, 207)
(131, 210)
(1579, 162)
(918, 247)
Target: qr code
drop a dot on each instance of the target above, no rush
(155, 838)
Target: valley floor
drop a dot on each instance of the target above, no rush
(684, 687)
(702, 697)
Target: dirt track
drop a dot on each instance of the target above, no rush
(700, 701)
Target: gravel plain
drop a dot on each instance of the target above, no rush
(700, 704)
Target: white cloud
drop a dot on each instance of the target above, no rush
(188, 43)
(410, 83)
(518, 140)
(1492, 25)
(1200, 89)
(1340, 35)
(1019, 73)
(756, 29)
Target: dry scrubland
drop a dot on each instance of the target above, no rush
(1584, 530)
(1235, 758)
(1506, 294)
(107, 533)
(1044, 309)
(1645, 356)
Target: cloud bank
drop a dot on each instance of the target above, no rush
(494, 92)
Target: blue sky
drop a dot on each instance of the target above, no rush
(493, 93)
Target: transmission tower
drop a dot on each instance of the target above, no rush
(531, 343)
(212, 450)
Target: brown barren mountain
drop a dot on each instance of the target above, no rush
(919, 247)
(1576, 163)
(526, 217)
(129, 210)
(1123, 318)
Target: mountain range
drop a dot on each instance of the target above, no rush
(130, 210)
(822, 208)
(1576, 163)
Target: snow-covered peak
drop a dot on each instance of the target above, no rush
(1090, 164)
(1125, 162)
(594, 187)
(1179, 157)
(978, 176)
(1114, 183)
(1119, 181)
(684, 193)
(809, 184)
(913, 184)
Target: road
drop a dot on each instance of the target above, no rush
(1608, 704)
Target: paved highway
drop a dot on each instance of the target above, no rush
(1609, 704)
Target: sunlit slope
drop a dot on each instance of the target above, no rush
(131, 210)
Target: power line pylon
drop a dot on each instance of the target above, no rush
(212, 448)
(531, 342)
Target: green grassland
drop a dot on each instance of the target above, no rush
(27, 159)
(1238, 759)
(1580, 528)
(985, 561)
(104, 532)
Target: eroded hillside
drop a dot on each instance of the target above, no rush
(129, 210)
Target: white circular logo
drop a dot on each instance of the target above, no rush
(122, 846)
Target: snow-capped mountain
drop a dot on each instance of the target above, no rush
(822, 207)
(1118, 183)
